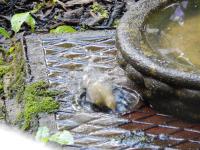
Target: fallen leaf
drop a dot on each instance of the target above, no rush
(79, 2)
(63, 29)
(4, 32)
(42, 134)
(63, 138)
(18, 19)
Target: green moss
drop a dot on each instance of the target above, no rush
(3, 70)
(12, 64)
(17, 85)
(35, 98)
(115, 24)
(2, 111)
(1, 88)
(19, 119)
(38, 99)
(2, 61)
(99, 9)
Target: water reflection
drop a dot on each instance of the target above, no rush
(178, 15)
(174, 32)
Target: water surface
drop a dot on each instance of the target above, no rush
(174, 31)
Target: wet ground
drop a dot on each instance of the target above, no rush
(66, 57)
(166, 130)
(62, 59)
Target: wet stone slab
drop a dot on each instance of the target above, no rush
(61, 59)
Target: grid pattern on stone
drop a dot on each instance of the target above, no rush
(166, 130)
(66, 57)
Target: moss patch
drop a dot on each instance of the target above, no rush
(11, 62)
(1, 61)
(17, 85)
(34, 98)
(99, 9)
(38, 99)
(3, 70)
(1, 88)
(2, 111)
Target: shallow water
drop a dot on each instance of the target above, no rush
(175, 30)
(69, 59)
(97, 130)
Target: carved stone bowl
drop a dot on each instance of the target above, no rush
(170, 87)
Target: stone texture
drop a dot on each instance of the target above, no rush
(65, 57)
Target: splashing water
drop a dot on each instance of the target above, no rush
(102, 92)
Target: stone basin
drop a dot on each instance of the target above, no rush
(170, 86)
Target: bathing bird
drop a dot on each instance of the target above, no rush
(99, 92)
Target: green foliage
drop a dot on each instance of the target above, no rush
(18, 19)
(99, 9)
(63, 29)
(38, 99)
(63, 138)
(42, 134)
(4, 32)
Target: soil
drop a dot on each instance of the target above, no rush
(82, 14)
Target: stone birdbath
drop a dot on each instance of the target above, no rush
(171, 86)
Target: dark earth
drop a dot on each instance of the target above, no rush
(79, 13)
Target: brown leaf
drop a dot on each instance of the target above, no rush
(78, 2)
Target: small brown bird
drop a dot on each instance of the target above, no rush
(99, 92)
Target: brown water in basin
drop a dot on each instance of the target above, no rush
(175, 30)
